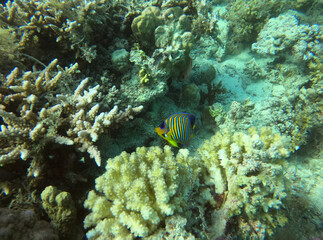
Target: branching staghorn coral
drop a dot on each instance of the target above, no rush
(245, 167)
(70, 23)
(36, 111)
(19, 123)
(138, 191)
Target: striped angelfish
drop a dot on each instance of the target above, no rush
(177, 129)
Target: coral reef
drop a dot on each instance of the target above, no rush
(246, 168)
(243, 176)
(203, 72)
(8, 49)
(255, 70)
(174, 229)
(217, 112)
(170, 29)
(247, 18)
(24, 225)
(147, 73)
(190, 95)
(292, 105)
(301, 100)
(278, 34)
(44, 110)
(304, 171)
(144, 25)
(70, 24)
(284, 33)
(120, 59)
(138, 191)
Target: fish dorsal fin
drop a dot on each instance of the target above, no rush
(192, 120)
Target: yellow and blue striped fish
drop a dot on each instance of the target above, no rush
(177, 129)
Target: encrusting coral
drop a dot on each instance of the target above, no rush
(171, 30)
(35, 110)
(138, 191)
(24, 224)
(285, 33)
(247, 18)
(245, 167)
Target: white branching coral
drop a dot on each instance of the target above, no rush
(86, 122)
(22, 126)
(46, 114)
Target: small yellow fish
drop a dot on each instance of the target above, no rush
(177, 129)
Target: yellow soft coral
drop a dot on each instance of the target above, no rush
(245, 167)
(138, 191)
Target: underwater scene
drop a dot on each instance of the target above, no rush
(161, 120)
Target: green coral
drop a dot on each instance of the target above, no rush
(144, 25)
(165, 33)
(60, 208)
(138, 191)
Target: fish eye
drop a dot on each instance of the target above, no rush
(162, 125)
